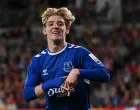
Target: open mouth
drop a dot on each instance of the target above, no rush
(55, 32)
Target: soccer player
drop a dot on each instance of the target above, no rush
(62, 71)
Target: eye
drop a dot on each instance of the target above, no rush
(61, 24)
(50, 24)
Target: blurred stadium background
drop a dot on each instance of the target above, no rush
(109, 28)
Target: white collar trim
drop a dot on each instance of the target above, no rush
(55, 53)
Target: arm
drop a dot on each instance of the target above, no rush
(32, 87)
(96, 74)
(93, 69)
(33, 80)
(32, 92)
(90, 68)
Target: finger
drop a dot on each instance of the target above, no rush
(64, 88)
(64, 77)
(68, 87)
(68, 93)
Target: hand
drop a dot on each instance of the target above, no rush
(66, 88)
(71, 80)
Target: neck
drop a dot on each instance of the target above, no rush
(56, 46)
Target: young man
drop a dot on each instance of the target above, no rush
(63, 70)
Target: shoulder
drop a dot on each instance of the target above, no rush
(78, 49)
(40, 56)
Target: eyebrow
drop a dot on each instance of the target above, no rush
(50, 21)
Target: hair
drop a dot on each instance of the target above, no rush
(63, 12)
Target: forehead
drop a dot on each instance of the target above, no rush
(55, 18)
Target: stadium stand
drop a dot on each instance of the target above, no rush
(115, 43)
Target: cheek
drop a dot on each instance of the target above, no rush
(48, 31)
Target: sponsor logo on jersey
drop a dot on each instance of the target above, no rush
(58, 91)
(68, 66)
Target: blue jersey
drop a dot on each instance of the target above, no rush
(46, 66)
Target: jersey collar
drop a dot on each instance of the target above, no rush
(55, 53)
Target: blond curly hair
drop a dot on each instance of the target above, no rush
(64, 12)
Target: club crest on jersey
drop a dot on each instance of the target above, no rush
(68, 66)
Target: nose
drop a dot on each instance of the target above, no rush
(56, 26)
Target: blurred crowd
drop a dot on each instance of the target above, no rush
(118, 48)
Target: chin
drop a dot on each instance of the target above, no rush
(56, 37)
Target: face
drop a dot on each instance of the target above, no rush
(55, 28)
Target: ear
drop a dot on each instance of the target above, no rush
(44, 31)
(67, 30)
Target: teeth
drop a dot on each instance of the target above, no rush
(55, 32)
